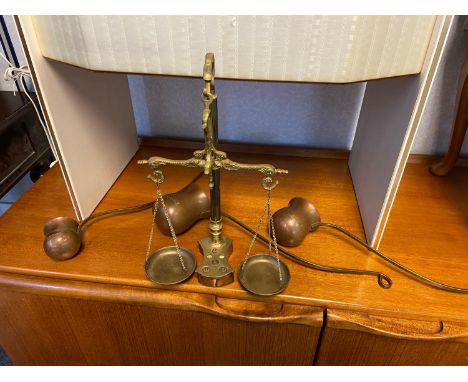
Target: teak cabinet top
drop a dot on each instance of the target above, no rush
(114, 249)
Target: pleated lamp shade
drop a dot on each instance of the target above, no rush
(331, 49)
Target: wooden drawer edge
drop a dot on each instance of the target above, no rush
(284, 313)
(436, 330)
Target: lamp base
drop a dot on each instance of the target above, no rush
(215, 270)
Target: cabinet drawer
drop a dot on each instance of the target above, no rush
(361, 339)
(73, 323)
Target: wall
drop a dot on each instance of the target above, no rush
(9, 86)
(256, 112)
(4, 85)
(312, 115)
(434, 133)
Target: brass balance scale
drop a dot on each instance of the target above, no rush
(261, 274)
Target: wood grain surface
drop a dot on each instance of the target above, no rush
(47, 330)
(360, 339)
(114, 250)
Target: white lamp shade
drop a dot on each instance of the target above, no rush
(335, 49)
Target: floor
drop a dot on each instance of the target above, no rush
(12, 196)
(4, 360)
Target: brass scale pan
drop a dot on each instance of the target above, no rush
(259, 274)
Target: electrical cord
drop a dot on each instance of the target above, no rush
(115, 212)
(125, 210)
(427, 280)
(13, 73)
(383, 280)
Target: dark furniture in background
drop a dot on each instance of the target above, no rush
(460, 123)
(23, 143)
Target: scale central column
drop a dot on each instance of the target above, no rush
(215, 270)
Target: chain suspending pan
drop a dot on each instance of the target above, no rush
(163, 266)
(264, 274)
(168, 265)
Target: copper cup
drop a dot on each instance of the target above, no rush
(185, 208)
(292, 223)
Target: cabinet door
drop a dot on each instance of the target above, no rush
(361, 339)
(141, 326)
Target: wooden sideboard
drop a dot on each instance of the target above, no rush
(99, 308)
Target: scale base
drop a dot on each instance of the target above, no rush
(215, 270)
